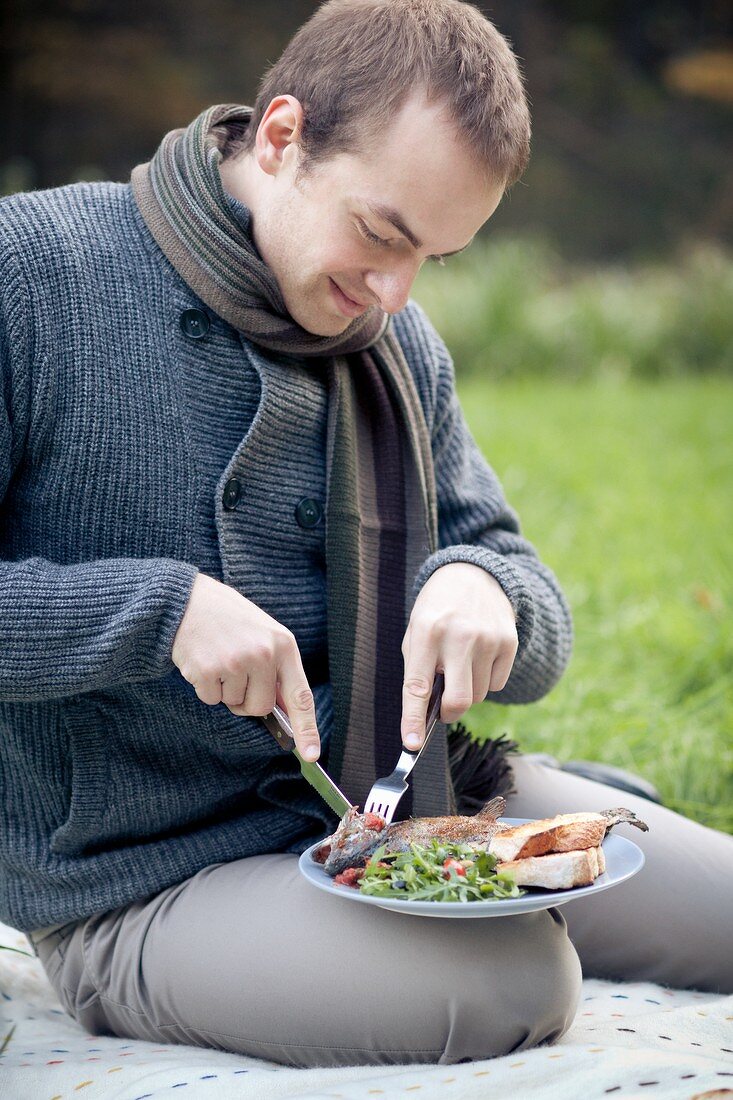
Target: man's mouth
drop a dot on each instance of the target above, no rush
(346, 305)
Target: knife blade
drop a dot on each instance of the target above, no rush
(278, 724)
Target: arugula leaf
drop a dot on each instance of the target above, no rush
(439, 871)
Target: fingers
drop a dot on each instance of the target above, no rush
(234, 690)
(415, 697)
(502, 666)
(458, 690)
(208, 688)
(429, 648)
(420, 657)
(469, 681)
(472, 672)
(300, 706)
(472, 640)
(260, 695)
(276, 674)
(233, 652)
(465, 683)
(248, 686)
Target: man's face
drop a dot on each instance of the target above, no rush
(355, 229)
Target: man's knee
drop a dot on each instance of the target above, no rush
(522, 993)
(555, 992)
(489, 988)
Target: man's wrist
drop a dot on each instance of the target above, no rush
(496, 565)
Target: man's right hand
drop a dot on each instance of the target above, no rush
(234, 653)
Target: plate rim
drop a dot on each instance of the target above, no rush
(477, 909)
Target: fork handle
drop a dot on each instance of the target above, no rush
(408, 758)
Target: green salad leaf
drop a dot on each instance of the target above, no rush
(437, 872)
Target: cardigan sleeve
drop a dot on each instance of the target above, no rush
(477, 525)
(71, 628)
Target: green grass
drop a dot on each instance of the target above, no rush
(626, 489)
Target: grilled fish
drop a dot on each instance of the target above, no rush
(359, 835)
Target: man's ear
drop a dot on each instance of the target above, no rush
(279, 133)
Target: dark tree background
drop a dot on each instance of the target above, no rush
(632, 103)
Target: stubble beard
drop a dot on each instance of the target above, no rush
(310, 309)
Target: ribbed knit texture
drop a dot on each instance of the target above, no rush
(381, 510)
(117, 436)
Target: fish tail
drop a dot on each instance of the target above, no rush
(494, 808)
(628, 817)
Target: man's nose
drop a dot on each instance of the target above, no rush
(391, 288)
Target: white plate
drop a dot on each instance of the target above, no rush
(623, 859)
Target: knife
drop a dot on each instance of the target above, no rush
(278, 724)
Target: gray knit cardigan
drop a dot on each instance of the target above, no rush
(119, 434)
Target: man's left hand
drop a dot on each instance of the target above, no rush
(463, 625)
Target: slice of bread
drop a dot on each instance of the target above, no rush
(558, 871)
(563, 833)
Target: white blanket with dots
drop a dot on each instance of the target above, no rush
(627, 1041)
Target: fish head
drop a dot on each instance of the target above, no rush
(357, 836)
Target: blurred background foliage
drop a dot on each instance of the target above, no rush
(632, 103)
(591, 322)
(514, 306)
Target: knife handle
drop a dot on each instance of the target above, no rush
(278, 725)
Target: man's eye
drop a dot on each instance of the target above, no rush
(372, 237)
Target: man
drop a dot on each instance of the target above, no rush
(228, 481)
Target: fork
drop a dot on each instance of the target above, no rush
(386, 793)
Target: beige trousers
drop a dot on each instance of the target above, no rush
(673, 922)
(248, 957)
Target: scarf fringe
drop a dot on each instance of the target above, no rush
(480, 770)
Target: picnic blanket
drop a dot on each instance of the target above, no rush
(627, 1041)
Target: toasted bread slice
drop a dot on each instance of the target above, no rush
(563, 833)
(558, 871)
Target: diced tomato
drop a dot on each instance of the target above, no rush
(453, 865)
(349, 877)
(374, 821)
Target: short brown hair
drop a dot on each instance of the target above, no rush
(355, 62)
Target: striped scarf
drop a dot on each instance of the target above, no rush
(381, 513)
